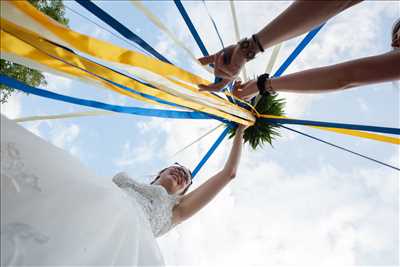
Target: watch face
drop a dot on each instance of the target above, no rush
(245, 44)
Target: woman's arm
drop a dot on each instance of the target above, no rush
(298, 18)
(359, 72)
(201, 196)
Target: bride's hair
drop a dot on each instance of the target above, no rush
(158, 176)
(396, 27)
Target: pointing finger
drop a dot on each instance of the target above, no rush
(207, 60)
(214, 87)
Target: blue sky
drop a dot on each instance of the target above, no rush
(301, 202)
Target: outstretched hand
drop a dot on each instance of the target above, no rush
(227, 65)
(246, 90)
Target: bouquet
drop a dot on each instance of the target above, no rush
(263, 132)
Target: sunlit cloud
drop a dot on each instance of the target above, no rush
(12, 108)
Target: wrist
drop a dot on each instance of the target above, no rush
(248, 48)
(240, 129)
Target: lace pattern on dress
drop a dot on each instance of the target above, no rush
(14, 169)
(17, 237)
(154, 199)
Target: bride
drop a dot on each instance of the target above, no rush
(55, 212)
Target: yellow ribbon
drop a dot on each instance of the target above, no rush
(109, 52)
(367, 135)
(49, 54)
(114, 54)
(362, 134)
(255, 112)
(16, 47)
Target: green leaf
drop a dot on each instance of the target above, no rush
(262, 132)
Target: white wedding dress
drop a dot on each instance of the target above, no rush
(55, 212)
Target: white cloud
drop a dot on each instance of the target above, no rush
(180, 133)
(100, 34)
(34, 127)
(327, 48)
(58, 132)
(64, 135)
(95, 31)
(57, 83)
(164, 48)
(143, 126)
(297, 104)
(275, 216)
(362, 104)
(12, 108)
(132, 155)
(270, 217)
(116, 99)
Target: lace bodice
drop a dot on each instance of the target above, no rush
(154, 199)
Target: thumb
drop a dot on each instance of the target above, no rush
(236, 85)
(214, 87)
(207, 60)
(205, 88)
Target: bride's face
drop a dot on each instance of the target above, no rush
(174, 179)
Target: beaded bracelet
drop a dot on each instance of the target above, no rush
(255, 39)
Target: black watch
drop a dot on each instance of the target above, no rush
(261, 84)
(247, 49)
(264, 85)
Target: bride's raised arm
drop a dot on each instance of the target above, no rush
(201, 196)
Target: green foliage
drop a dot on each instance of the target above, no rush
(54, 9)
(262, 132)
(21, 73)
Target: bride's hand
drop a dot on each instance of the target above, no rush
(241, 128)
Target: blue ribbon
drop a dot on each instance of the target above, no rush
(204, 51)
(299, 48)
(342, 148)
(230, 98)
(306, 40)
(121, 29)
(210, 151)
(210, 116)
(107, 80)
(191, 27)
(122, 86)
(95, 104)
(368, 128)
(218, 79)
(196, 35)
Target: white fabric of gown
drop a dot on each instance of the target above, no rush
(54, 212)
(156, 202)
